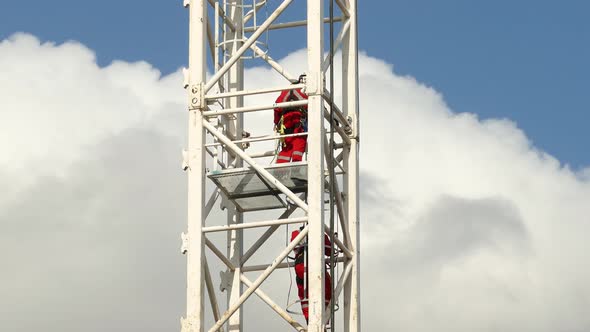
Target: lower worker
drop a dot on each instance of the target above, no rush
(301, 272)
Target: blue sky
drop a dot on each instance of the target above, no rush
(465, 210)
(522, 60)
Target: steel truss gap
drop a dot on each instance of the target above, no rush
(235, 57)
(259, 280)
(293, 24)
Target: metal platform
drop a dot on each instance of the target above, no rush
(251, 192)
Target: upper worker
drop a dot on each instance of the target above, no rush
(291, 120)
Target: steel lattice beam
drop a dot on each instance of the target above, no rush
(215, 139)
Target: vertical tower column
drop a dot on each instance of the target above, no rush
(316, 168)
(196, 167)
(233, 123)
(350, 101)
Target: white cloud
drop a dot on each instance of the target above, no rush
(57, 101)
(466, 226)
(584, 174)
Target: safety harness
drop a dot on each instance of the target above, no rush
(281, 129)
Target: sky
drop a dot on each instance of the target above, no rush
(476, 224)
(522, 60)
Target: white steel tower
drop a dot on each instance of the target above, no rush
(319, 193)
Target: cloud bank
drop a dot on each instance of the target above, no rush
(466, 225)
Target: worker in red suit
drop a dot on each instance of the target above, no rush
(291, 120)
(301, 269)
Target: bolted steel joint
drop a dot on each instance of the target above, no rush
(185, 164)
(314, 83)
(226, 280)
(351, 128)
(184, 245)
(197, 97)
(185, 78)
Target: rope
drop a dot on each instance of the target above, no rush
(277, 149)
(290, 272)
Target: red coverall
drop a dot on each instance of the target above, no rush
(300, 274)
(289, 121)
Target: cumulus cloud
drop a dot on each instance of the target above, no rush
(86, 243)
(57, 101)
(466, 225)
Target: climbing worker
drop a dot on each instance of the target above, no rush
(301, 269)
(291, 120)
